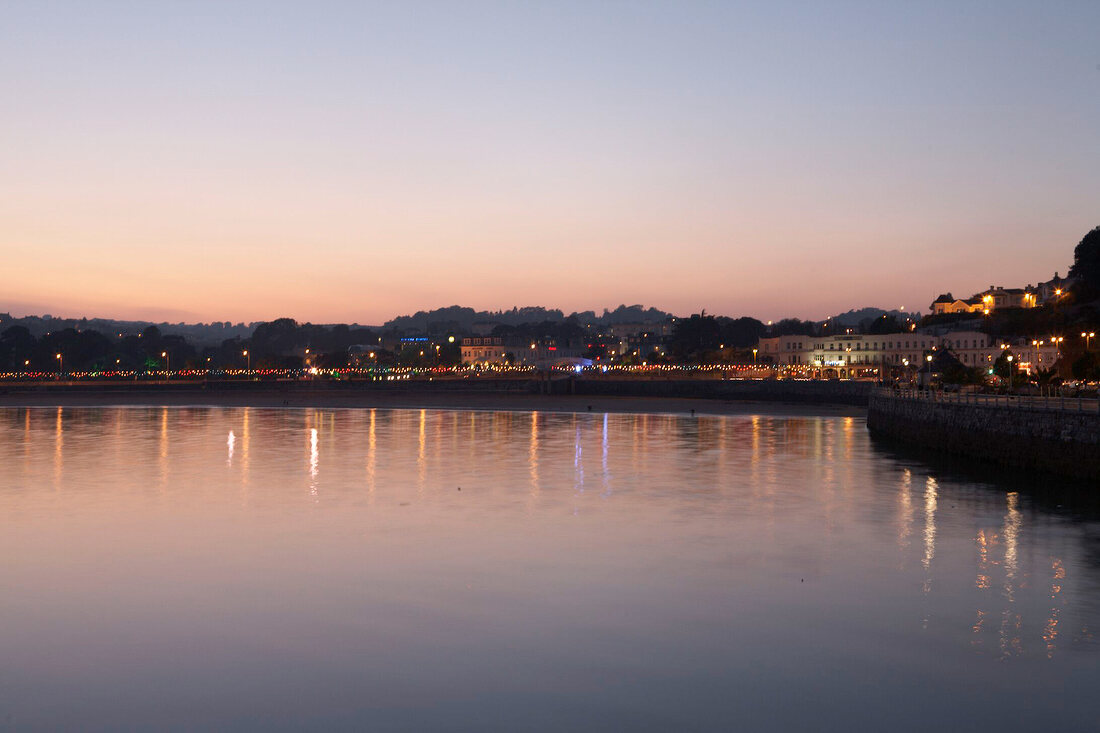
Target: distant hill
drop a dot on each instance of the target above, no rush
(452, 319)
(200, 334)
(460, 318)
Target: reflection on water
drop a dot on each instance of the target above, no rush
(521, 570)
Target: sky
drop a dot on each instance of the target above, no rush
(356, 161)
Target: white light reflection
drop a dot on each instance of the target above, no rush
(313, 461)
(606, 474)
(1010, 621)
(578, 465)
(905, 508)
(930, 500)
(231, 442)
(930, 496)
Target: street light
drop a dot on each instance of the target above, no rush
(167, 362)
(249, 358)
(60, 365)
(1088, 338)
(1057, 341)
(1009, 371)
(754, 356)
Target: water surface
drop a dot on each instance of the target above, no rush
(415, 569)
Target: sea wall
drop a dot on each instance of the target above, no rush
(1027, 435)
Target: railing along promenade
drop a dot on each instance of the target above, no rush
(1029, 403)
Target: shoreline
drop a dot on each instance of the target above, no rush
(415, 399)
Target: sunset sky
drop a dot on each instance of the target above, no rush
(353, 162)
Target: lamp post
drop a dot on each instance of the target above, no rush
(60, 365)
(1087, 336)
(167, 364)
(1057, 341)
(249, 360)
(754, 357)
(1009, 372)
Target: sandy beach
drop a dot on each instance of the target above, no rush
(413, 399)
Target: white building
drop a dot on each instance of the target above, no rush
(850, 355)
(483, 350)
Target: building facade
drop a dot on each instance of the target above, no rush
(483, 350)
(850, 355)
(948, 303)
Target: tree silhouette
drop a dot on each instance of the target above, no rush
(1086, 266)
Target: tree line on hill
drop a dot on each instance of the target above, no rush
(271, 345)
(460, 319)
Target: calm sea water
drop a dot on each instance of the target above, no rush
(435, 570)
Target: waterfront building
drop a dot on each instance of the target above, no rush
(483, 350)
(854, 355)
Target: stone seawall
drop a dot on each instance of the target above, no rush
(1065, 442)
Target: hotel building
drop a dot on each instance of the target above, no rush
(851, 355)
